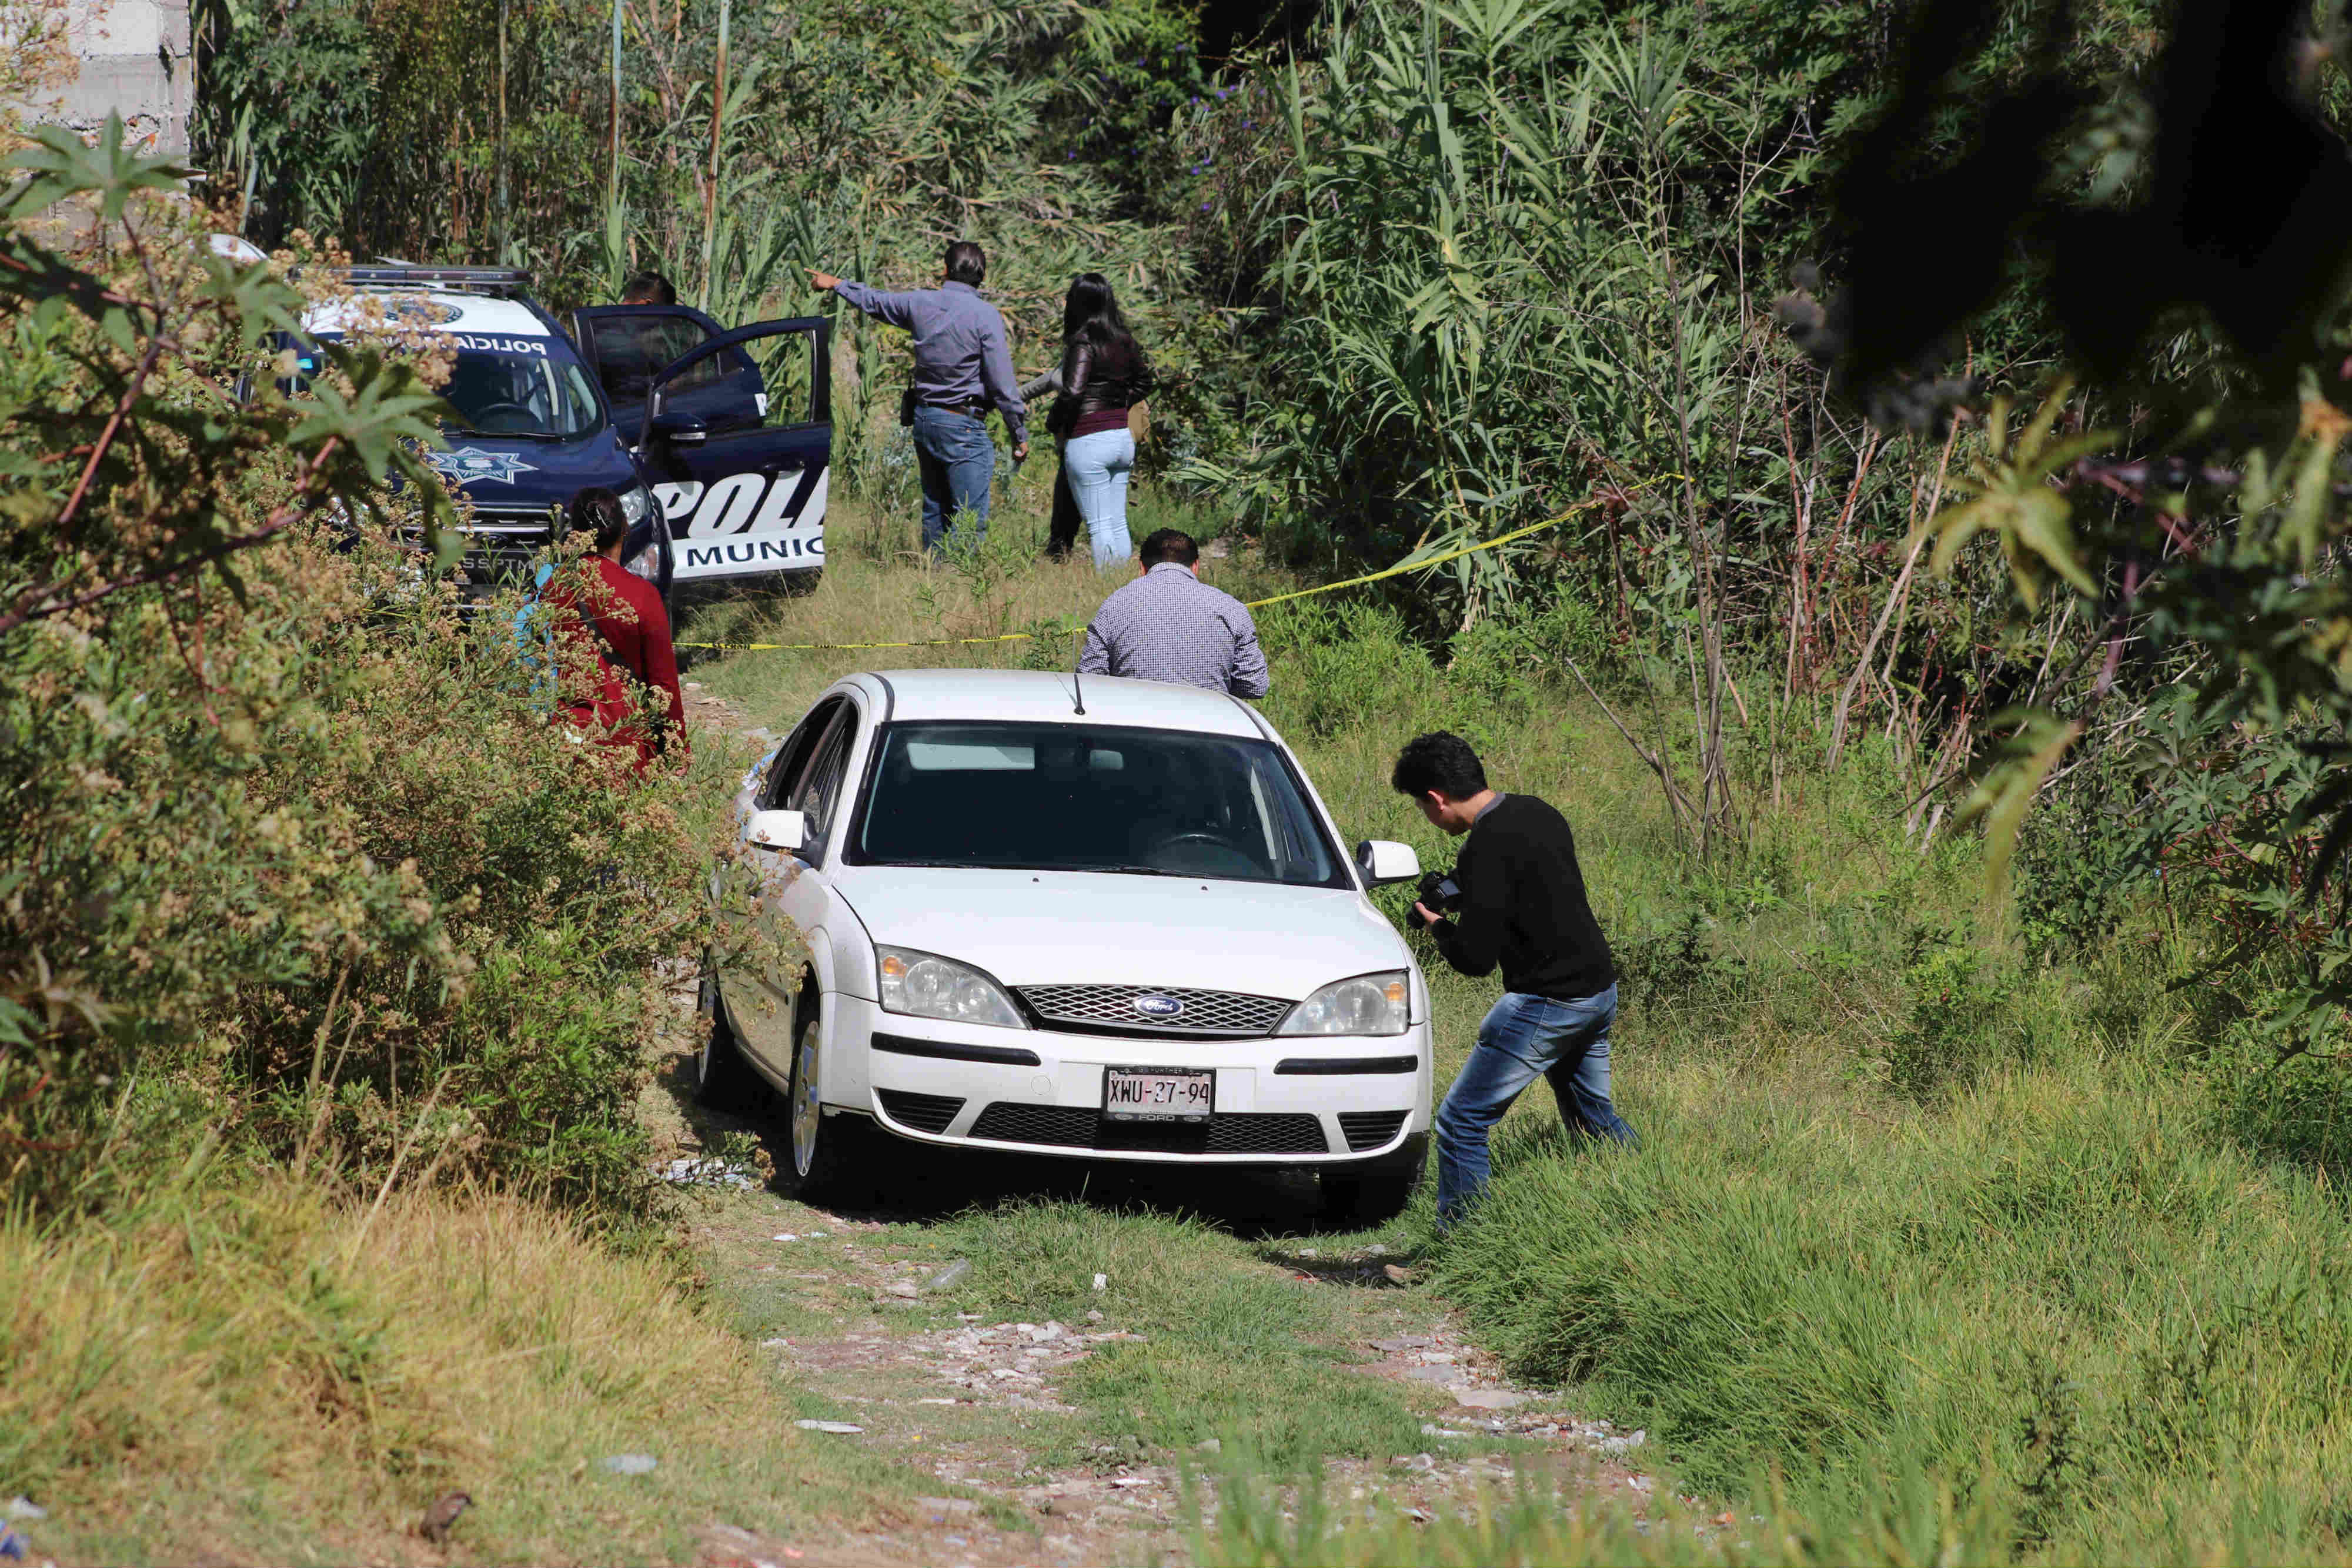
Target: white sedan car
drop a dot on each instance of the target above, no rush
(1110, 923)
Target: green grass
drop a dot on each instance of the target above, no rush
(2058, 1288)
(1233, 1349)
(255, 1371)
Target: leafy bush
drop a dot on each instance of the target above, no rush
(1961, 1020)
(1341, 666)
(293, 850)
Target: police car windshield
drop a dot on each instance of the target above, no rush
(520, 389)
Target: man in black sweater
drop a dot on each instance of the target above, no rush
(1522, 906)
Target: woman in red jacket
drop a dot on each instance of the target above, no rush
(620, 620)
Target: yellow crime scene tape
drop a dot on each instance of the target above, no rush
(1397, 570)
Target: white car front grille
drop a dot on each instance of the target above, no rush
(1196, 1012)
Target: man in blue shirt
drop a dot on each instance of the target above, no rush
(1169, 625)
(963, 364)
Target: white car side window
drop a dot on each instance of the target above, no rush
(793, 756)
(821, 786)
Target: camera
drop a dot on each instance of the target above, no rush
(1438, 891)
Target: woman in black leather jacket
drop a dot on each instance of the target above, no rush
(1102, 375)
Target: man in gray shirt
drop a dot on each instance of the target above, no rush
(963, 364)
(1167, 625)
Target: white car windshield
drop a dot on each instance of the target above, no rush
(521, 394)
(1035, 797)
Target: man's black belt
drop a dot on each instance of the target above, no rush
(976, 407)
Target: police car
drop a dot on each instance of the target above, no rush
(719, 443)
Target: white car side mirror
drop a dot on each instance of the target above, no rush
(1383, 862)
(783, 831)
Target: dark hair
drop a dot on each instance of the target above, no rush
(597, 513)
(649, 289)
(1440, 760)
(1090, 314)
(1169, 544)
(966, 263)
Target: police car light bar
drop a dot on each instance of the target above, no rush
(484, 277)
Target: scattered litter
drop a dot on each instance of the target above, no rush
(13, 1545)
(1432, 1429)
(838, 1428)
(939, 1401)
(783, 1236)
(704, 1172)
(1102, 1282)
(1625, 1444)
(1308, 1252)
(905, 1290)
(630, 1464)
(1414, 1462)
(1419, 1515)
(1376, 1250)
(775, 1344)
(812, 1236)
(1124, 1482)
(26, 1508)
(760, 733)
(948, 1278)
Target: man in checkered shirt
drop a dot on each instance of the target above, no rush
(1169, 625)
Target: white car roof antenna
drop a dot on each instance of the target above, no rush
(1078, 693)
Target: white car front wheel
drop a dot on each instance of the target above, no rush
(827, 1153)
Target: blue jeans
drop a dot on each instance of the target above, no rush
(956, 457)
(1523, 1036)
(1099, 466)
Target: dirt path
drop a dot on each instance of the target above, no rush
(855, 1313)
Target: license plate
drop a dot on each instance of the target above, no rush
(1154, 1094)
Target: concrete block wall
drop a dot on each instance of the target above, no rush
(135, 61)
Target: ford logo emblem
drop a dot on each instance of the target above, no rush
(1157, 1007)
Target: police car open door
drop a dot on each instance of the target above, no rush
(734, 428)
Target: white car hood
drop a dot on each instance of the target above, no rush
(1049, 928)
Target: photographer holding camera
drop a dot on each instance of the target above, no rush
(1517, 900)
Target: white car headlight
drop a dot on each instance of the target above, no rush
(924, 985)
(635, 502)
(1369, 1004)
